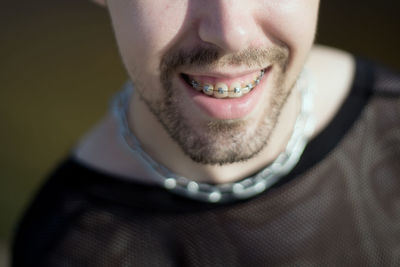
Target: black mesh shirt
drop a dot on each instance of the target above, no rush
(340, 206)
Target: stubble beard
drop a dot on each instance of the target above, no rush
(219, 142)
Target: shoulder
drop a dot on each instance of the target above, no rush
(339, 75)
(335, 56)
(102, 150)
(333, 72)
(338, 67)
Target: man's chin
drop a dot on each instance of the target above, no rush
(221, 142)
(221, 157)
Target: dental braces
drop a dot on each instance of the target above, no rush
(209, 89)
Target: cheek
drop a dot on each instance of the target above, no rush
(145, 30)
(292, 22)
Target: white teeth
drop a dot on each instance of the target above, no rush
(235, 90)
(208, 89)
(245, 90)
(221, 90)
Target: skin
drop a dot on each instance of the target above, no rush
(149, 31)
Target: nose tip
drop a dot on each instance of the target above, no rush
(227, 26)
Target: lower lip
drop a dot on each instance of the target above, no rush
(228, 108)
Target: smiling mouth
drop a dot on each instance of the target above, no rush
(223, 90)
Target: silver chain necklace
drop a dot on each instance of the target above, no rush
(227, 192)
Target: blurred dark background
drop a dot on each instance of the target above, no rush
(59, 66)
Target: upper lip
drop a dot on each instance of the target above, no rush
(229, 74)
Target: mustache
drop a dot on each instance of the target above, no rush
(212, 57)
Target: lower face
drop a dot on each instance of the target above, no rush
(230, 123)
(233, 121)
